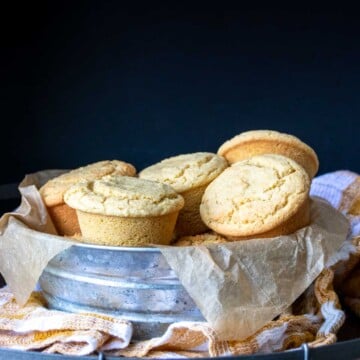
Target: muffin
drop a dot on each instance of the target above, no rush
(263, 196)
(52, 192)
(258, 142)
(201, 239)
(125, 211)
(189, 175)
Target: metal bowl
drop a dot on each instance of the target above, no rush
(133, 283)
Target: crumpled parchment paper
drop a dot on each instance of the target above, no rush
(28, 238)
(238, 286)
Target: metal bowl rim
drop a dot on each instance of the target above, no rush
(118, 248)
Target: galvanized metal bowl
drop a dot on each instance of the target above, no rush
(133, 283)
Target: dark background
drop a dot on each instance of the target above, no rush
(89, 81)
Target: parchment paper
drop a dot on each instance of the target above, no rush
(238, 286)
(24, 253)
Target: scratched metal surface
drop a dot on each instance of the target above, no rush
(134, 283)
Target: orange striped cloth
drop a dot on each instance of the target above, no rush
(314, 318)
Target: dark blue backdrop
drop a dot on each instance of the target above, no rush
(99, 80)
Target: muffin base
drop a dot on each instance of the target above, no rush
(189, 221)
(64, 219)
(126, 231)
(247, 149)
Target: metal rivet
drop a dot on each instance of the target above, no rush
(305, 348)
